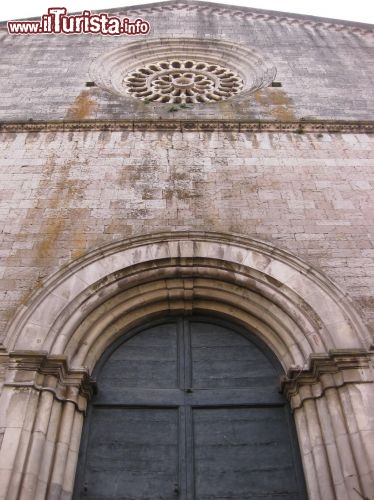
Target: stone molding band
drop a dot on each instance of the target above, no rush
(299, 127)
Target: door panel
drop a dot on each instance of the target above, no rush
(146, 360)
(188, 409)
(222, 358)
(133, 454)
(243, 453)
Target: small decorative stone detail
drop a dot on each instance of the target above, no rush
(183, 82)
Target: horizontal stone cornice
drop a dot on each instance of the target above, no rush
(258, 126)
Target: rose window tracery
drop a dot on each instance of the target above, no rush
(183, 82)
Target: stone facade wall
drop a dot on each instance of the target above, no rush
(325, 68)
(66, 193)
(198, 206)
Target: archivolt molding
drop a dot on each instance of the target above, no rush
(81, 309)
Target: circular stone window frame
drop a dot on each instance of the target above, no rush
(110, 70)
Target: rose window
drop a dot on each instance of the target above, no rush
(182, 70)
(182, 82)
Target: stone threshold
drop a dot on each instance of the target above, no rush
(298, 127)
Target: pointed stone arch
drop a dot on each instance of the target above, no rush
(311, 326)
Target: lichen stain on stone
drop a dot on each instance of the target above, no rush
(185, 194)
(51, 227)
(262, 97)
(27, 295)
(32, 137)
(180, 194)
(283, 114)
(279, 97)
(150, 194)
(82, 107)
(168, 194)
(179, 176)
(226, 109)
(277, 103)
(78, 247)
(51, 230)
(62, 226)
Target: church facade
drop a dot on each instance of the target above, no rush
(187, 258)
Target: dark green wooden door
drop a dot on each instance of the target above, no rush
(189, 409)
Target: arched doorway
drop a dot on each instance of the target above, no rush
(54, 343)
(188, 408)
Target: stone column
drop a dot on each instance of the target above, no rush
(333, 406)
(42, 408)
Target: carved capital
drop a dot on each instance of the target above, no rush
(42, 372)
(327, 371)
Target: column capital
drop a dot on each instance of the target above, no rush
(334, 369)
(42, 372)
